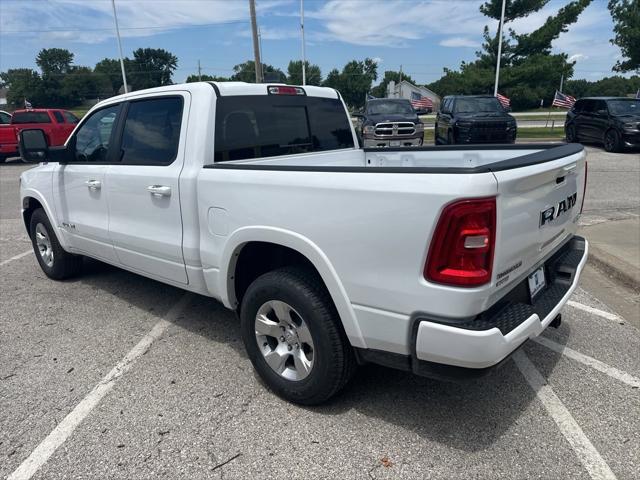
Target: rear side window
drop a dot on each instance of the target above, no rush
(5, 118)
(70, 117)
(152, 131)
(270, 125)
(59, 117)
(588, 106)
(30, 117)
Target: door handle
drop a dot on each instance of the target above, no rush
(159, 190)
(93, 184)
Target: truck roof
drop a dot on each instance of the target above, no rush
(225, 89)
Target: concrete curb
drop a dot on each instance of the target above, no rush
(615, 268)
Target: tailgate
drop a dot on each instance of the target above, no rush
(538, 207)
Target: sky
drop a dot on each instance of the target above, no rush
(422, 36)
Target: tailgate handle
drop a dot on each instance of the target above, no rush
(568, 168)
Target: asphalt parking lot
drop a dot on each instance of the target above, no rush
(112, 375)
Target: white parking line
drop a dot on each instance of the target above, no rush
(64, 429)
(15, 257)
(595, 311)
(582, 446)
(590, 361)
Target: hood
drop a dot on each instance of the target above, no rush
(385, 117)
(489, 115)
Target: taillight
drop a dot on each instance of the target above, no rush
(461, 251)
(281, 90)
(584, 189)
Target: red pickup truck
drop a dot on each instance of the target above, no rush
(57, 125)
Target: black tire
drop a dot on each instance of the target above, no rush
(435, 134)
(3, 158)
(450, 138)
(63, 264)
(570, 134)
(612, 142)
(334, 361)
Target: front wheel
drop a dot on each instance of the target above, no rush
(54, 261)
(450, 139)
(570, 134)
(293, 337)
(612, 141)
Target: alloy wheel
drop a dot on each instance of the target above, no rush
(284, 340)
(43, 242)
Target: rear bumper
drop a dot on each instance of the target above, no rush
(467, 348)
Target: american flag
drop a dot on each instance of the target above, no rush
(504, 101)
(419, 102)
(563, 101)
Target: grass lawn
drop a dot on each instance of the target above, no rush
(529, 133)
(79, 112)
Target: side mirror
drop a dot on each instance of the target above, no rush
(33, 145)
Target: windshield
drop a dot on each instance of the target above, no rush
(478, 104)
(624, 107)
(389, 108)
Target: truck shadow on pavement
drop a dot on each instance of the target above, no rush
(469, 416)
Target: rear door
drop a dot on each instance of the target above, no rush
(145, 222)
(538, 207)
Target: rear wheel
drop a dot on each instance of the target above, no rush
(293, 337)
(612, 141)
(570, 133)
(54, 261)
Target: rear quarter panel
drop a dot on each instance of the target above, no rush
(371, 231)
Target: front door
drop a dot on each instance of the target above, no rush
(145, 221)
(79, 187)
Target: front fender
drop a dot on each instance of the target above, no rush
(25, 194)
(305, 247)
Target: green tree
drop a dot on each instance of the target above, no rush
(354, 82)
(110, 68)
(82, 83)
(246, 72)
(23, 83)
(54, 62)
(615, 86)
(380, 90)
(151, 67)
(626, 27)
(529, 72)
(312, 72)
(205, 78)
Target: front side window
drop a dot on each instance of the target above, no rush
(30, 117)
(152, 131)
(93, 136)
(270, 125)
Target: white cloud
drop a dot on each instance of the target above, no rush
(377, 60)
(577, 56)
(82, 21)
(459, 42)
(395, 23)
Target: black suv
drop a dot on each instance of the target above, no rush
(612, 121)
(473, 119)
(390, 122)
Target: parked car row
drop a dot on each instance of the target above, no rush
(57, 125)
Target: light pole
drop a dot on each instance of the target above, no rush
(495, 88)
(304, 66)
(256, 46)
(124, 75)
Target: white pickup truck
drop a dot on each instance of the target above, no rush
(438, 260)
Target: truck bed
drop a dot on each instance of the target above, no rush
(431, 159)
